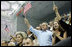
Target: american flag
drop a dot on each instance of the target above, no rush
(6, 28)
(27, 7)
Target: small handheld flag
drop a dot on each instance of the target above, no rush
(6, 28)
(24, 9)
(27, 7)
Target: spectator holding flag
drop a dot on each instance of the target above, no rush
(44, 36)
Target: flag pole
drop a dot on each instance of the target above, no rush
(11, 36)
(53, 3)
(24, 15)
(7, 30)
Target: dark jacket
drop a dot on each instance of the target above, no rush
(66, 27)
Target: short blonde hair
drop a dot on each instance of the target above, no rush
(22, 33)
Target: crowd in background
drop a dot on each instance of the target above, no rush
(28, 38)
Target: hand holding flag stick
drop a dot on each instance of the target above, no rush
(13, 37)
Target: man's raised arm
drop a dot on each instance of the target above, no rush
(27, 22)
(36, 32)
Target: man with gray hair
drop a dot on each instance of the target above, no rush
(44, 36)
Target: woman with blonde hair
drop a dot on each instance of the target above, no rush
(19, 37)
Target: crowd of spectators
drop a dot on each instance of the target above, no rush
(55, 31)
